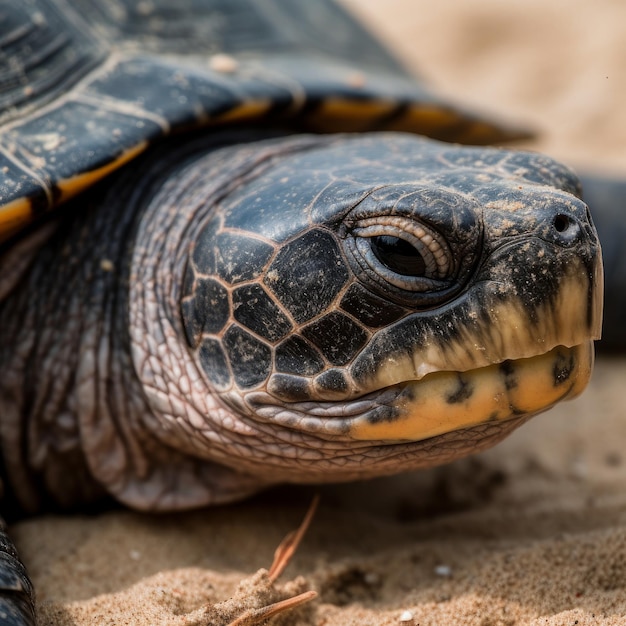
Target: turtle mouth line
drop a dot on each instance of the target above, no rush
(442, 402)
(439, 402)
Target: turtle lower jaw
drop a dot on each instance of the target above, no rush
(443, 402)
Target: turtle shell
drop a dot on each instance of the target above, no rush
(91, 84)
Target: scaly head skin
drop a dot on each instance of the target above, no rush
(342, 307)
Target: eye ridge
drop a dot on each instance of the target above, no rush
(398, 255)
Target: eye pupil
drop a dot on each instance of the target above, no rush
(398, 255)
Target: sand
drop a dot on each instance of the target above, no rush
(532, 532)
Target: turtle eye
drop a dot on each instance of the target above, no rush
(402, 252)
(398, 255)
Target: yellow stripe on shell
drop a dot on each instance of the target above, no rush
(345, 115)
(430, 412)
(425, 119)
(440, 122)
(245, 111)
(340, 108)
(14, 216)
(71, 187)
(432, 120)
(18, 213)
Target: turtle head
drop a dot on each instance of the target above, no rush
(381, 292)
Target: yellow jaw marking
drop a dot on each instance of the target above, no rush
(446, 401)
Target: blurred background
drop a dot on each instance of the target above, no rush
(557, 65)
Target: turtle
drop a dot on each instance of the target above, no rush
(243, 245)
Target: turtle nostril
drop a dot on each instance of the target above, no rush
(566, 229)
(561, 223)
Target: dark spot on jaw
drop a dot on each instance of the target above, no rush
(508, 372)
(383, 413)
(562, 369)
(409, 393)
(463, 392)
